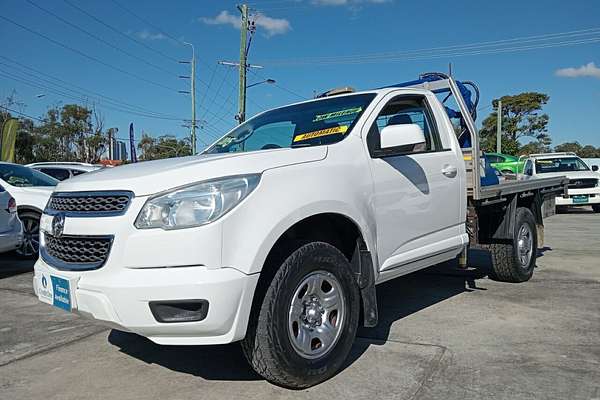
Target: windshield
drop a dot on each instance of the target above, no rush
(18, 175)
(565, 164)
(308, 124)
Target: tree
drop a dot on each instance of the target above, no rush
(166, 146)
(573, 147)
(589, 151)
(70, 133)
(521, 118)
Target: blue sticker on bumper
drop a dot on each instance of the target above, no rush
(62, 293)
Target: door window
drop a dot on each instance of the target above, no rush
(528, 170)
(58, 173)
(406, 110)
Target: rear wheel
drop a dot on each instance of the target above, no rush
(302, 331)
(514, 262)
(31, 235)
(596, 208)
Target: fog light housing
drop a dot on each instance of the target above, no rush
(171, 311)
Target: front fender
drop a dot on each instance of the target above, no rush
(250, 231)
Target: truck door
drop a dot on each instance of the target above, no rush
(417, 193)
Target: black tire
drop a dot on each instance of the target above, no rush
(507, 266)
(268, 346)
(561, 209)
(30, 247)
(596, 208)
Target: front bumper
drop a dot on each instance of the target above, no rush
(121, 299)
(12, 239)
(593, 197)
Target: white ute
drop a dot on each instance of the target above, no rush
(278, 233)
(584, 183)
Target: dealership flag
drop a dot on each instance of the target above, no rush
(132, 143)
(8, 139)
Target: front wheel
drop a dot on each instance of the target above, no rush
(514, 262)
(31, 235)
(596, 208)
(306, 323)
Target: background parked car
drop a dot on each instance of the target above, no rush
(31, 189)
(63, 170)
(11, 230)
(584, 182)
(505, 163)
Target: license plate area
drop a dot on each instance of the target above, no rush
(581, 198)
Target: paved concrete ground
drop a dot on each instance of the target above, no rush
(443, 334)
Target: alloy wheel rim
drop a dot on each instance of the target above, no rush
(316, 315)
(525, 245)
(31, 237)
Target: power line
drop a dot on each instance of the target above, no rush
(21, 114)
(147, 22)
(112, 28)
(99, 38)
(489, 47)
(81, 89)
(279, 86)
(56, 42)
(42, 120)
(79, 98)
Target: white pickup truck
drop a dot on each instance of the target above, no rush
(584, 183)
(278, 233)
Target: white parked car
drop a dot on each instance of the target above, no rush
(279, 232)
(584, 182)
(63, 170)
(11, 230)
(31, 189)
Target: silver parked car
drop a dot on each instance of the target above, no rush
(11, 229)
(63, 170)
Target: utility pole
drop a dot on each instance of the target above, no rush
(499, 127)
(241, 117)
(192, 93)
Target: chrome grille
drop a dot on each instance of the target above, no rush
(76, 252)
(584, 183)
(89, 203)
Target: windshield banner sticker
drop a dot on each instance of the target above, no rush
(336, 114)
(323, 132)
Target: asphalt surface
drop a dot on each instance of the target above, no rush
(443, 334)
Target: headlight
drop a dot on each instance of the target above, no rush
(197, 204)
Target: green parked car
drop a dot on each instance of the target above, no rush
(505, 163)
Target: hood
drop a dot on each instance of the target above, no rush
(151, 177)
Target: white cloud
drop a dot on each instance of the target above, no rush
(223, 18)
(147, 35)
(271, 26)
(588, 69)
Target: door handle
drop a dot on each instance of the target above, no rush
(449, 170)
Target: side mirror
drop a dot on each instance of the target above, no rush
(595, 168)
(403, 137)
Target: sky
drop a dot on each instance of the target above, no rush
(122, 56)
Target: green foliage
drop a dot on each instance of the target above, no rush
(587, 151)
(166, 146)
(521, 118)
(70, 133)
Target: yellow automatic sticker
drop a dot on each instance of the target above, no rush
(323, 132)
(336, 114)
